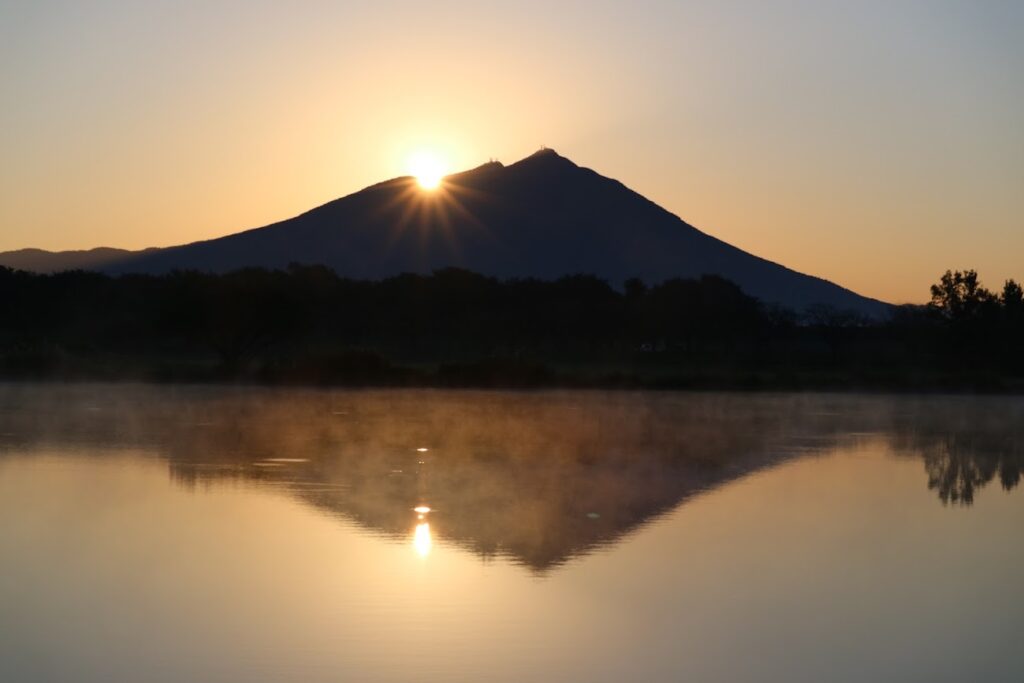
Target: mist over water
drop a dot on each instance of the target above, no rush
(241, 534)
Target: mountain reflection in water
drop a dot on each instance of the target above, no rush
(536, 477)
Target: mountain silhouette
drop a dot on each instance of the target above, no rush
(542, 217)
(43, 261)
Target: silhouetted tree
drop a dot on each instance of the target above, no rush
(959, 296)
(308, 324)
(835, 325)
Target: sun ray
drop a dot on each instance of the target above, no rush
(431, 215)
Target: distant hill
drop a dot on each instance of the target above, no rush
(42, 261)
(542, 217)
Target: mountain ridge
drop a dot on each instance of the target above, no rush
(542, 216)
(48, 261)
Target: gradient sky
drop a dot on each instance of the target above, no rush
(872, 143)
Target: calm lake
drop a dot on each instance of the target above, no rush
(203, 534)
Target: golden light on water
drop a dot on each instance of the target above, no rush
(428, 168)
(421, 539)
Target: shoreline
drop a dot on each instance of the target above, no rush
(405, 378)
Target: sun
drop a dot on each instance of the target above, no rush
(428, 168)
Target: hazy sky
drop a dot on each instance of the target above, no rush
(874, 143)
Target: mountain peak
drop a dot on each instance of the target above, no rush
(545, 158)
(483, 170)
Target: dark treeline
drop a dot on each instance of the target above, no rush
(307, 324)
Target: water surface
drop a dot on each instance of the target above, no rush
(240, 534)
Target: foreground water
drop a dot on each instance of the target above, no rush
(205, 534)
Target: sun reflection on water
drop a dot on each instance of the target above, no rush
(421, 539)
